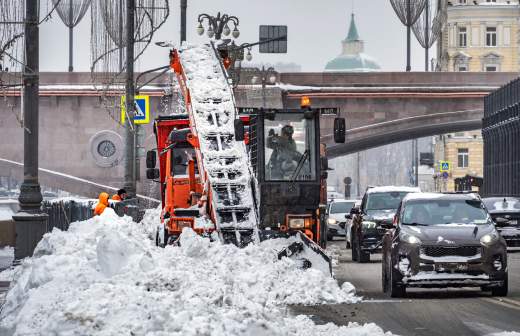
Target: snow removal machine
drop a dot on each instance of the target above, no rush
(242, 177)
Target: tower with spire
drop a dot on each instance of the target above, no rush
(352, 57)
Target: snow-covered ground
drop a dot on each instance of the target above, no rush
(105, 276)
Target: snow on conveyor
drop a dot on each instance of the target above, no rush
(105, 276)
(224, 159)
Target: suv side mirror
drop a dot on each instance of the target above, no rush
(348, 216)
(151, 159)
(152, 173)
(239, 130)
(339, 130)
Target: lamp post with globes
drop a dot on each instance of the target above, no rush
(218, 25)
(265, 76)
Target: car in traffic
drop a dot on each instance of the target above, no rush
(371, 219)
(336, 217)
(505, 212)
(443, 240)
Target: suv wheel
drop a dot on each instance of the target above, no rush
(354, 248)
(363, 256)
(501, 290)
(384, 274)
(396, 290)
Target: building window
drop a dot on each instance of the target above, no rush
(463, 37)
(462, 68)
(463, 158)
(491, 68)
(491, 0)
(491, 36)
(462, 1)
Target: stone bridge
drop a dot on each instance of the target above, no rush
(380, 108)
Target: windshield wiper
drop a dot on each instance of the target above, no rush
(416, 224)
(299, 167)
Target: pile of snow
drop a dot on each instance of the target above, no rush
(104, 276)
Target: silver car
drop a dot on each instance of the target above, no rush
(336, 220)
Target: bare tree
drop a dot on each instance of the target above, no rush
(428, 28)
(408, 12)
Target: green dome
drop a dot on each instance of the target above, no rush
(353, 63)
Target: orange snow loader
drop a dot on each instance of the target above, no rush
(288, 185)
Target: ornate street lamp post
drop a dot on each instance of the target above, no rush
(265, 76)
(218, 25)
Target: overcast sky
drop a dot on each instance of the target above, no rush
(315, 31)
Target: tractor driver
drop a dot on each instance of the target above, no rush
(285, 156)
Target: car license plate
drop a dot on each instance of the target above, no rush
(513, 221)
(443, 267)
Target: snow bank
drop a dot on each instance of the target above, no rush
(105, 277)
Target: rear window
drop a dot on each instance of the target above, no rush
(341, 207)
(502, 204)
(432, 212)
(385, 200)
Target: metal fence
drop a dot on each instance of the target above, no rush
(501, 133)
(61, 214)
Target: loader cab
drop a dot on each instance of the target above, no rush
(284, 147)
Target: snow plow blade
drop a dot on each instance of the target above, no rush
(307, 252)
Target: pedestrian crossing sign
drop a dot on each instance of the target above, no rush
(142, 110)
(445, 166)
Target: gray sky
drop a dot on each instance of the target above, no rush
(315, 29)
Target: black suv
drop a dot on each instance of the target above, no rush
(371, 220)
(443, 240)
(505, 211)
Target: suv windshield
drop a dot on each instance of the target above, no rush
(432, 212)
(290, 151)
(385, 200)
(341, 207)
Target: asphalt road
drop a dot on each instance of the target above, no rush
(423, 311)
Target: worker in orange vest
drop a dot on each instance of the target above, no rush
(120, 196)
(102, 204)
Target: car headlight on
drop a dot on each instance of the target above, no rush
(489, 238)
(410, 239)
(332, 221)
(369, 225)
(297, 223)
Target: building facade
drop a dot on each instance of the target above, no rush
(464, 153)
(480, 35)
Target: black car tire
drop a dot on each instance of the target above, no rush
(395, 290)
(501, 290)
(384, 274)
(363, 256)
(354, 249)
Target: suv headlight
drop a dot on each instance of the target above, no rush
(410, 239)
(369, 225)
(489, 238)
(296, 223)
(332, 221)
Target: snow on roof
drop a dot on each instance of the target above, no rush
(392, 188)
(430, 195)
(108, 271)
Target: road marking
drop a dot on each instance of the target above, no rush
(512, 304)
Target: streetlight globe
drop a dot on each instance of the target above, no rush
(200, 29)
(226, 31)
(254, 79)
(249, 57)
(236, 32)
(211, 33)
(272, 79)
